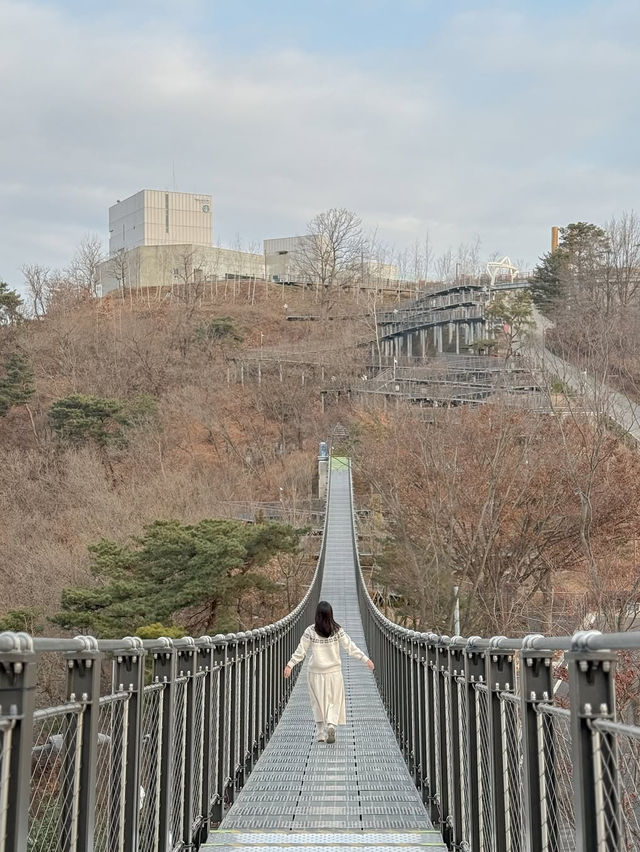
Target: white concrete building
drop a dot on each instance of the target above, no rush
(173, 265)
(282, 263)
(160, 239)
(153, 217)
(280, 258)
(163, 239)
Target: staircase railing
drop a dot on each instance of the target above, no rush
(504, 759)
(152, 741)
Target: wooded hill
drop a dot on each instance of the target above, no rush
(118, 414)
(128, 424)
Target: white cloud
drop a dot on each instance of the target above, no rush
(502, 127)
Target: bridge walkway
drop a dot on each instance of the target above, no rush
(354, 794)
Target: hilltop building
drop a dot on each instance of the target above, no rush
(282, 263)
(155, 218)
(280, 257)
(159, 238)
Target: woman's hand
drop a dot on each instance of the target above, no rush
(287, 671)
(370, 665)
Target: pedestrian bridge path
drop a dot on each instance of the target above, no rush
(356, 793)
(200, 744)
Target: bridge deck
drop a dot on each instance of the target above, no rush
(354, 794)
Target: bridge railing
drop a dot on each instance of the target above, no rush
(153, 739)
(504, 760)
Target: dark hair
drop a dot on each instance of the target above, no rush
(325, 625)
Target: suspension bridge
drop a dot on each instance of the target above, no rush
(452, 743)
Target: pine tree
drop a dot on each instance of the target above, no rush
(80, 419)
(575, 270)
(545, 283)
(11, 304)
(188, 576)
(16, 386)
(514, 312)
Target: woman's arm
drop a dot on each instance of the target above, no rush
(352, 649)
(299, 654)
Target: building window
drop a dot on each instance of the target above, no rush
(166, 212)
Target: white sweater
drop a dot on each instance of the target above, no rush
(325, 656)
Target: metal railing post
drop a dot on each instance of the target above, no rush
(18, 671)
(596, 793)
(187, 660)
(414, 720)
(129, 677)
(442, 669)
(431, 675)
(233, 654)
(206, 664)
(261, 688)
(269, 682)
(423, 723)
(405, 695)
(280, 682)
(536, 688)
(252, 701)
(396, 685)
(456, 670)
(500, 678)
(474, 673)
(221, 744)
(164, 671)
(83, 684)
(243, 720)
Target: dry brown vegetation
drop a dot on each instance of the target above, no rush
(535, 517)
(212, 440)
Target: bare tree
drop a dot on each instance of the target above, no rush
(402, 264)
(37, 279)
(444, 265)
(623, 256)
(254, 249)
(428, 256)
(189, 275)
(119, 268)
(330, 255)
(83, 271)
(468, 259)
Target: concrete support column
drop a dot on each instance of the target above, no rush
(457, 338)
(323, 471)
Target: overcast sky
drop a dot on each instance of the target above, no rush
(463, 119)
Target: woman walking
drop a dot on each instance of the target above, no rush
(324, 677)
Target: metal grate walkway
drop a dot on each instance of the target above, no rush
(354, 794)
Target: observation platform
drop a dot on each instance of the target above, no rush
(356, 793)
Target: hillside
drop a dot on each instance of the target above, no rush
(157, 408)
(211, 436)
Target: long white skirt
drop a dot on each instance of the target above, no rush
(327, 697)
